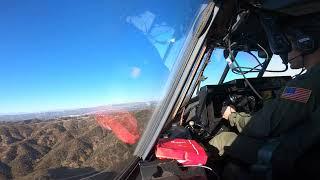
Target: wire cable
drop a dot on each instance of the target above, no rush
(255, 69)
(256, 58)
(236, 70)
(263, 49)
(248, 83)
(266, 59)
(244, 77)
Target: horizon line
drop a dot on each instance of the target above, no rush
(70, 109)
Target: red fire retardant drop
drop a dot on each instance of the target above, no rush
(123, 124)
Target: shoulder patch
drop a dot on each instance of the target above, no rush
(296, 94)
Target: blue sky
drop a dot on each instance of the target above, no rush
(65, 54)
(68, 54)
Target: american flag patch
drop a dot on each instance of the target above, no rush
(296, 94)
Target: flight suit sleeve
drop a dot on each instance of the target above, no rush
(280, 114)
(296, 142)
(259, 122)
(239, 119)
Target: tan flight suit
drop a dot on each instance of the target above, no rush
(280, 118)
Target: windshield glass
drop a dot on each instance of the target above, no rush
(215, 68)
(276, 64)
(245, 62)
(80, 81)
(218, 63)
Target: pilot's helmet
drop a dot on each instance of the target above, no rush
(304, 31)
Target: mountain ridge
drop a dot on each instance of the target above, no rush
(64, 147)
(47, 115)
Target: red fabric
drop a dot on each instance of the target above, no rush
(123, 124)
(185, 151)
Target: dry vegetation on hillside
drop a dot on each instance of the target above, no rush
(61, 148)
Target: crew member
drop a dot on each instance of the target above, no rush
(283, 121)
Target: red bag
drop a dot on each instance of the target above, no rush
(185, 151)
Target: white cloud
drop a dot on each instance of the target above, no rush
(135, 72)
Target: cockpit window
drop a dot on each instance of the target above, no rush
(215, 68)
(276, 64)
(81, 79)
(245, 62)
(218, 63)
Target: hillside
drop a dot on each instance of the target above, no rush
(63, 147)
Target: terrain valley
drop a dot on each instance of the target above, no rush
(65, 144)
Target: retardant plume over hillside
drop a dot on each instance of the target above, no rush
(66, 147)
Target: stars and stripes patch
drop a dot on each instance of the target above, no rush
(296, 94)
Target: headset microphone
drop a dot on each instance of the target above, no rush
(304, 43)
(291, 59)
